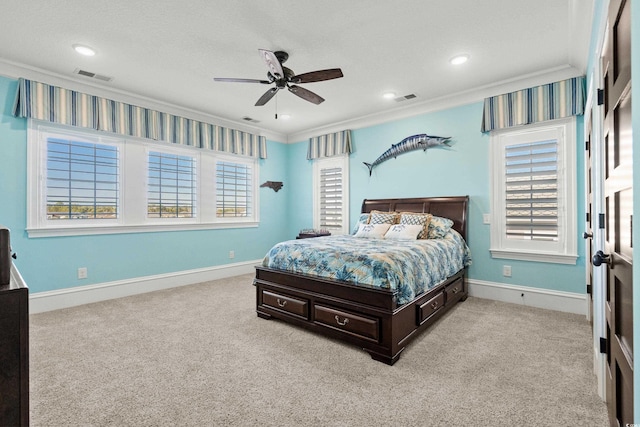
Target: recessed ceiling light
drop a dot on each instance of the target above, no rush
(389, 95)
(285, 116)
(84, 50)
(459, 59)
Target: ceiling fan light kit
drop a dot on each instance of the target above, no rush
(285, 78)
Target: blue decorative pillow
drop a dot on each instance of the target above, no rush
(379, 217)
(362, 219)
(439, 227)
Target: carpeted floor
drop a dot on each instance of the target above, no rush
(199, 356)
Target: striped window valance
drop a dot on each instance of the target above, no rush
(329, 145)
(547, 102)
(68, 107)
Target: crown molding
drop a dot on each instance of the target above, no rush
(445, 102)
(16, 70)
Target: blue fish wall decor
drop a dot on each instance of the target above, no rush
(411, 143)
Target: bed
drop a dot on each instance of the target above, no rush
(381, 319)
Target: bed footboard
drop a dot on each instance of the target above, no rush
(365, 317)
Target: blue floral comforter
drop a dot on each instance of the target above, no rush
(410, 266)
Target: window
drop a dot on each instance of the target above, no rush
(331, 194)
(171, 186)
(234, 190)
(534, 197)
(82, 180)
(89, 182)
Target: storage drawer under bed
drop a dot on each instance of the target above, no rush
(454, 291)
(291, 305)
(427, 309)
(345, 321)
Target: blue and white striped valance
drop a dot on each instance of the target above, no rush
(332, 144)
(547, 102)
(64, 106)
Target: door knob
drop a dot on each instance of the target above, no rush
(599, 258)
(587, 235)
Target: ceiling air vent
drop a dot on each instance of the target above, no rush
(92, 75)
(249, 119)
(404, 98)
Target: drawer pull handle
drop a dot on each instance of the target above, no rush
(341, 323)
(455, 290)
(282, 303)
(434, 305)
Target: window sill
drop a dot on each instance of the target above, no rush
(124, 229)
(549, 257)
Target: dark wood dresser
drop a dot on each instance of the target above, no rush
(14, 352)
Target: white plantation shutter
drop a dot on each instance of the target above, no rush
(82, 180)
(531, 191)
(171, 185)
(234, 189)
(331, 202)
(331, 194)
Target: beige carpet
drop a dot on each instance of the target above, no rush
(199, 356)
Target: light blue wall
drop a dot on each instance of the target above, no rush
(52, 263)
(461, 170)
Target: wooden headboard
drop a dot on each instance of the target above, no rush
(454, 208)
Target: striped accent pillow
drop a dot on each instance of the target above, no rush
(379, 217)
(423, 219)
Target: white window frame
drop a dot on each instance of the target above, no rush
(251, 163)
(178, 151)
(133, 191)
(564, 251)
(341, 161)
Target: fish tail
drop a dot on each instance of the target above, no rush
(370, 166)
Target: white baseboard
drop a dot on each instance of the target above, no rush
(41, 302)
(535, 297)
(69, 297)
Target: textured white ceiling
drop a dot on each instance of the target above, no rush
(170, 50)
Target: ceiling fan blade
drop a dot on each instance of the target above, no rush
(305, 94)
(274, 66)
(267, 96)
(224, 79)
(318, 76)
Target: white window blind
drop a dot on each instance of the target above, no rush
(531, 191)
(171, 186)
(234, 190)
(82, 180)
(331, 198)
(534, 207)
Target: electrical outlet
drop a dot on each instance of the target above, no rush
(232, 254)
(82, 273)
(506, 270)
(486, 218)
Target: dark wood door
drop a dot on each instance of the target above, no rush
(588, 234)
(618, 192)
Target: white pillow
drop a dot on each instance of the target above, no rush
(403, 232)
(369, 231)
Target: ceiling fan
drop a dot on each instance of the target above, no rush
(284, 77)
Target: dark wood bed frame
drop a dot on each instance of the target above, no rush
(368, 317)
